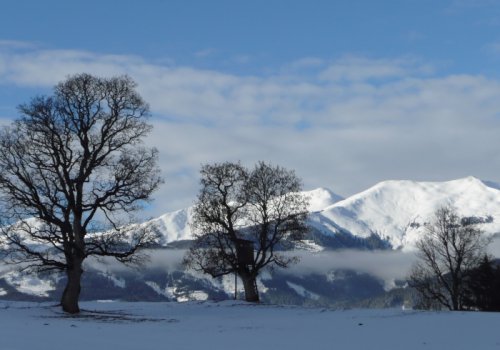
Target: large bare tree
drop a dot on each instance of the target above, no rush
(450, 248)
(237, 206)
(72, 165)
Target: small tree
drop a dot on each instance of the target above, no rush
(483, 287)
(71, 159)
(262, 205)
(449, 249)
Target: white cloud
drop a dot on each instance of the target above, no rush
(354, 68)
(371, 120)
(386, 265)
(16, 44)
(305, 63)
(169, 260)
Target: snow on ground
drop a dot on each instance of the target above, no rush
(236, 325)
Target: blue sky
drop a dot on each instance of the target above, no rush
(260, 36)
(348, 93)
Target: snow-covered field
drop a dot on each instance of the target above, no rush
(237, 325)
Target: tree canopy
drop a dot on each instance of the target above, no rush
(262, 206)
(72, 165)
(449, 249)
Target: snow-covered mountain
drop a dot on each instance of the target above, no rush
(396, 211)
(175, 226)
(390, 214)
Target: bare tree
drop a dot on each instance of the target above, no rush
(237, 205)
(449, 249)
(72, 165)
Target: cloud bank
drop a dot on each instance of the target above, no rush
(388, 266)
(344, 124)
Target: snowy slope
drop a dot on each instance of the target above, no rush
(397, 210)
(387, 209)
(321, 198)
(175, 226)
(394, 210)
(236, 325)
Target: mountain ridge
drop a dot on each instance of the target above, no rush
(351, 257)
(396, 210)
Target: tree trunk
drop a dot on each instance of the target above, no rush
(71, 294)
(250, 285)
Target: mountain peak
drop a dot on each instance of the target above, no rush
(469, 180)
(320, 198)
(389, 207)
